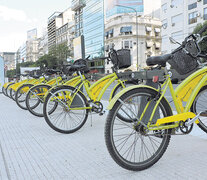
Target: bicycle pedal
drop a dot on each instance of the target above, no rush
(102, 113)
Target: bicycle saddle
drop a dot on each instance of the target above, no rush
(158, 60)
(36, 76)
(77, 67)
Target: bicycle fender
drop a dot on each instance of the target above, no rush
(121, 93)
(51, 89)
(110, 98)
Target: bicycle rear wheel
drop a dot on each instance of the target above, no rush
(64, 118)
(35, 99)
(132, 146)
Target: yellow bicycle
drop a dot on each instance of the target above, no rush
(72, 105)
(140, 140)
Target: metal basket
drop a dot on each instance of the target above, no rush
(183, 63)
(121, 59)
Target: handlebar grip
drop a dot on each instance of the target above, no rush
(203, 29)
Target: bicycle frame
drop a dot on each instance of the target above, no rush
(96, 91)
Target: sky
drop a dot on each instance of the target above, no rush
(19, 16)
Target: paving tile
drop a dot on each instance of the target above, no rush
(30, 149)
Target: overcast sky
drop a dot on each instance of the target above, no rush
(19, 16)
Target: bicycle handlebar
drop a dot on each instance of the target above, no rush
(203, 29)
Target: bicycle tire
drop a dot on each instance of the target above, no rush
(4, 91)
(117, 90)
(200, 107)
(111, 134)
(7, 90)
(12, 94)
(48, 116)
(20, 95)
(36, 108)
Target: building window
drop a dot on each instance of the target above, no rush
(149, 44)
(107, 35)
(126, 44)
(111, 33)
(164, 23)
(164, 8)
(126, 30)
(157, 31)
(192, 6)
(157, 45)
(148, 30)
(175, 3)
(204, 1)
(176, 19)
(205, 13)
(192, 17)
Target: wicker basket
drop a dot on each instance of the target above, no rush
(183, 63)
(121, 59)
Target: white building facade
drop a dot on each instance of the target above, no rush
(179, 18)
(120, 30)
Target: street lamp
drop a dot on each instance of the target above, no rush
(136, 27)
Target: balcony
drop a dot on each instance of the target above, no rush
(77, 4)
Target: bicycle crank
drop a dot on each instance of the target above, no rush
(97, 107)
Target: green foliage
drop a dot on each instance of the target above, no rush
(47, 60)
(11, 73)
(203, 44)
(61, 52)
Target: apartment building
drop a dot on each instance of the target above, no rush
(179, 18)
(58, 27)
(121, 31)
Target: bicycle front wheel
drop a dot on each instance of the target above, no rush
(130, 144)
(199, 105)
(65, 112)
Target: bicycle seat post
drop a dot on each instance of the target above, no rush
(80, 75)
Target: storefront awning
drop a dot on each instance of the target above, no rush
(126, 29)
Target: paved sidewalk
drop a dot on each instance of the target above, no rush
(29, 149)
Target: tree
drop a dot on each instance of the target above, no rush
(47, 60)
(203, 44)
(11, 73)
(61, 52)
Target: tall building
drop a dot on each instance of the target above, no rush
(9, 60)
(51, 28)
(43, 44)
(32, 45)
(121, 31)
(179, 18)
(23, 53)
(77, 7)
(93, 28)
(58, 27)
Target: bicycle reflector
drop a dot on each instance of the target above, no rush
(155, 79)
